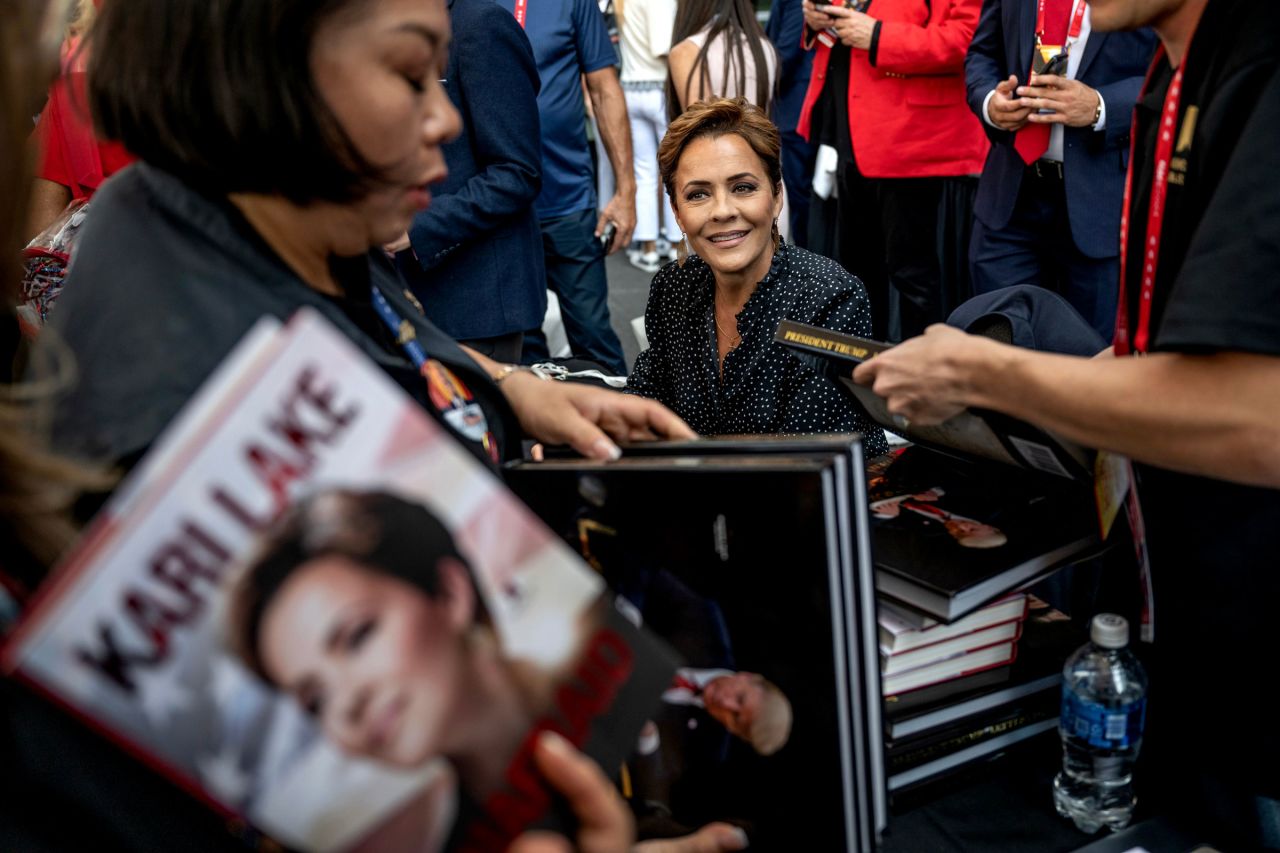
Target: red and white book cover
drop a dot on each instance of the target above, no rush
(898, 634)
(373, 673)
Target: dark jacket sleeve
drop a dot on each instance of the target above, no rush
(985, 63)
(498, 84)
(786, 28)
(1120, 95)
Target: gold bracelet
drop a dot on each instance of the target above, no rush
(508, 369)
(503, 372)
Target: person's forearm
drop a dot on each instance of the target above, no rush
(1215, 415)
(48, 200)
(615, 132)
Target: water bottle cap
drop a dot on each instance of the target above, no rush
(1109, 631)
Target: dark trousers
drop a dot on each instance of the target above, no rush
(576, 274)
(797, 174)
(1036, 247)
(503, 348)
(887, 235)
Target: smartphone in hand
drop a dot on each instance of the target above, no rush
(606, 236)
(1057, 65)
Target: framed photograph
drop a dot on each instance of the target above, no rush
(749, 557)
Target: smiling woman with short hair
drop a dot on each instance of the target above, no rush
(711, 316)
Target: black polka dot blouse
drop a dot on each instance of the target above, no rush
(767, 388)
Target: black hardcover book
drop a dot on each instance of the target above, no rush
(754, 568)
(915, 761)
(949, 535)
(972, 433)
(943, 694)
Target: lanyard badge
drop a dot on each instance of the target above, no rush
(1053, 58)
(449, 394)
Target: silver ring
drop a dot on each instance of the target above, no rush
(901, 421)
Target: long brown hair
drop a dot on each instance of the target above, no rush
(736, 21)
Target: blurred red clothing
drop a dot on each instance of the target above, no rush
(908, 116)
(69, 152)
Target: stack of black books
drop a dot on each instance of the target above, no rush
(935, 730)
(973, 509)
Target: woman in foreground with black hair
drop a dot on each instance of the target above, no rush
(282, 144)
(165, 312)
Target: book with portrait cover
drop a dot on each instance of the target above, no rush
(749, 555)
(974, 432)
(950, 535)
(315, 611)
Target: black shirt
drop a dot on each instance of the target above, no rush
(830, 117)
(766, 388)
(167, 281)
(1215, 546)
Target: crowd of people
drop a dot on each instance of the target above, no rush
(421, 173)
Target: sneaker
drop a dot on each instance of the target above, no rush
(649, 261)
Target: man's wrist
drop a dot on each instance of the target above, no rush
(986, 110)
(987, 368)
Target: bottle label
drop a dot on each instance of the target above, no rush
(1100, 726)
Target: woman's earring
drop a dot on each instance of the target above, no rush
(777, 236)
(682, 250)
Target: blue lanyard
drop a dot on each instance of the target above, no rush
(405, 334)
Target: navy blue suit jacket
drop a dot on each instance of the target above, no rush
(1094, 162)
(479, 269)
(786, 26)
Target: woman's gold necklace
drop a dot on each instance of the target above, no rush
(737, 338)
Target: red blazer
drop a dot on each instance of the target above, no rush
(908, 116)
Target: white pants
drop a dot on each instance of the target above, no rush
(647, 110)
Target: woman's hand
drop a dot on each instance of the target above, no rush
(712, 838)
(604, 821)
(588, 418)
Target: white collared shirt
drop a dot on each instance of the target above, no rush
(1073, 64)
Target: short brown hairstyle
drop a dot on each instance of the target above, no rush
(715, 118)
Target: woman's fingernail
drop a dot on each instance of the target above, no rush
(554, 742)
(741, 835)
(606, 449)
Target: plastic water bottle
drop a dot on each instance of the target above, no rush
(1104, 703)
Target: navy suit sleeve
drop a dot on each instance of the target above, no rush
(786, 26)
(1121, 95)
(498, 85)
(985, 64)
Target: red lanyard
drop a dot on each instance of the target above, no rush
(1073, 31)
(1155, 216)
(522, 7)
